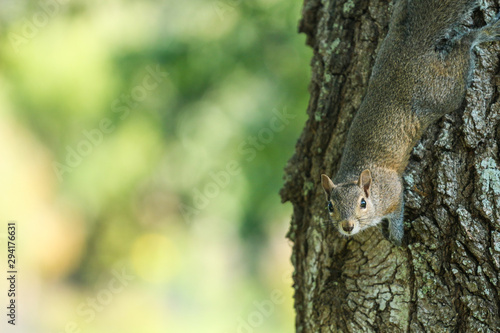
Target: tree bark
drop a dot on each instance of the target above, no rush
(445, 278)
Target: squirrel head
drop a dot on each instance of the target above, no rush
(351, 205)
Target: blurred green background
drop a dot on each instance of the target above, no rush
(142, 146)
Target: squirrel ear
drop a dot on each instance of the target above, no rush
(365, 181)
(327, 183)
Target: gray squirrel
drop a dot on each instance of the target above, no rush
(421, 72)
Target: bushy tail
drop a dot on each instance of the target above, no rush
(431, 20)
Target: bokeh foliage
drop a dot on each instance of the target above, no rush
(91, 198)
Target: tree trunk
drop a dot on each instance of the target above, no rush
(445, 278)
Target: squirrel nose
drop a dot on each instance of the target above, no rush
(347, 226)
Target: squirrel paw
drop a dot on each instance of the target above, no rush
(393, 230)
(396, 230)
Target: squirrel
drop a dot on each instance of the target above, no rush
(421, 72)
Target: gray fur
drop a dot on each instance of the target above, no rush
(421, 73)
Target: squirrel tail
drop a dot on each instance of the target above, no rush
(431, 20)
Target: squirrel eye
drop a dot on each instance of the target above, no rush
(330, 207)
(363, 203)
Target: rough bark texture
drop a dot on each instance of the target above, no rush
(446, 276)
